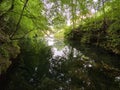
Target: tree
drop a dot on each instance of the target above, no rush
(20, 18)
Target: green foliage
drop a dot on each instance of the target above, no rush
(8, 51)
(67, 33)
(114, 37)
(35, 49)
(33, 65)
(59, 34)
(21, 21)
(18, 21)
(4, 6)
(4, 52)
(101, 29)
(4, 65)
(86, 38)
(58, 22)
(49, 84)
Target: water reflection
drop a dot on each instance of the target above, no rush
(66, 67)
(84, 68)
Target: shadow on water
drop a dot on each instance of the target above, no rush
(65, 67)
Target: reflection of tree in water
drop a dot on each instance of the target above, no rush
(75, 71)
(32, 67)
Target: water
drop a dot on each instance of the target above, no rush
(66, 67)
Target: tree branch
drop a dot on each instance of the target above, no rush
(23, 35)
(17, 26)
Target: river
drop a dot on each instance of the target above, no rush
(69, 67)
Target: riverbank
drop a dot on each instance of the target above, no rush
(102, 30)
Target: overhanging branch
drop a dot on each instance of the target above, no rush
(17, 26)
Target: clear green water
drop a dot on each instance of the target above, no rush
(65, 67)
